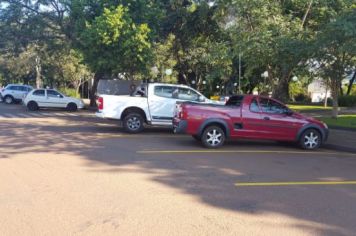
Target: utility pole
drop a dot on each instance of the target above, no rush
(39, 82)
(240, 73)
(306, 13)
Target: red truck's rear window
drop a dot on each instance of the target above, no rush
(234, 101)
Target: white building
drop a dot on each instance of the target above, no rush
(317, 91)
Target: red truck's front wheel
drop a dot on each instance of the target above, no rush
(213, 137)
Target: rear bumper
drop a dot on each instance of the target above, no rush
(180, 126)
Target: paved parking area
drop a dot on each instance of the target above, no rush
(66, 175)
(19, 111)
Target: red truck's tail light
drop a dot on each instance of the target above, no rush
(179, 111)
(100, 102)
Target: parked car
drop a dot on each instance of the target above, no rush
(51, 98)
(152, 104)
(248, 117)
(14, 93)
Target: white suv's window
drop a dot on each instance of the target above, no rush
(13, 87)
(23, 89)
(18, 88)
(164, 91)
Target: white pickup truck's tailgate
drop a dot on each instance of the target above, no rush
(113, 105)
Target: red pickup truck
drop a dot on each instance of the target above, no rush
(248, 117)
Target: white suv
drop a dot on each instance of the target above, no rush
(51, 98)
(14, 93)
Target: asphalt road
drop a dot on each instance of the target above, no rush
(74, 174)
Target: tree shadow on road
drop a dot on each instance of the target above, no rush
(206, 175)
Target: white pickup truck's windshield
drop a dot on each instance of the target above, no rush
(187, 94)
(164, 91)
(179, 93)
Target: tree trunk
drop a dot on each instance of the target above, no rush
(77, 87)
(351, 83)
(182, 78)
(306, 13)
(92, 94)
(340, 88)
(281, 91)
(39, 82)
(335, 96)
(326, 95)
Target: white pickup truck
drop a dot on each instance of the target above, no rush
(152, 104)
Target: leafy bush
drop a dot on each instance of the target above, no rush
(330, 102)
(347, 101)
(353, 90)
(70, 92)
(302, 98)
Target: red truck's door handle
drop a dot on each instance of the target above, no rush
(266, 118)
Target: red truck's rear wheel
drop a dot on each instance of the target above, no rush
(213, 137)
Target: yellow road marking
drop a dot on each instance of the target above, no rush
(296, 183)
(238, 151)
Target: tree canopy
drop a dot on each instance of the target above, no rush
(209, 45)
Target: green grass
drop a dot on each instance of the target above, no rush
(348, 121)
(309, 108)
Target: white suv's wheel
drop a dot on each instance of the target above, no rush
(8, 99)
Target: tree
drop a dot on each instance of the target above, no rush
(113, 43)
(200, 47)
(352, 80)
(337, 51)
(163, 59)
(37, 27)
(65, 68)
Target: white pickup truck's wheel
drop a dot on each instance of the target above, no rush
(213, 137)
(133, 123)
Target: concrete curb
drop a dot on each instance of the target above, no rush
(342, 128)
(339, 148)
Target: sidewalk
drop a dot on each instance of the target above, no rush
(341, 140)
